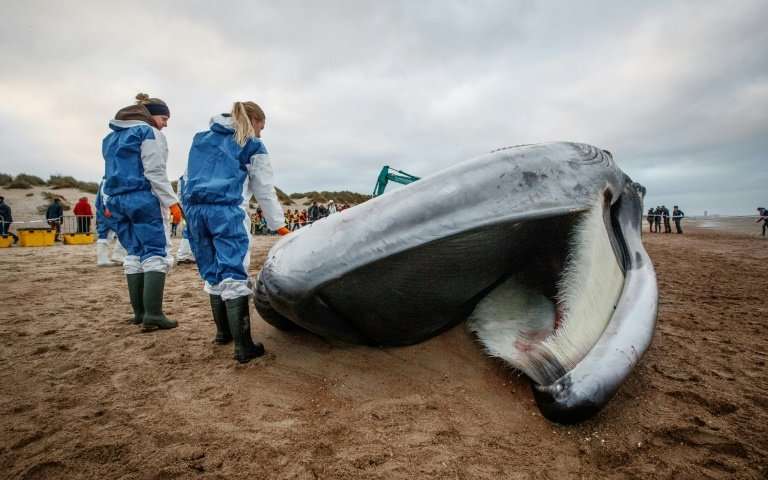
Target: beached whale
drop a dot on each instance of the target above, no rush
(536, 247)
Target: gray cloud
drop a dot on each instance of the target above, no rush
(678, 91)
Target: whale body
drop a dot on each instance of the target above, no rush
(535, 247)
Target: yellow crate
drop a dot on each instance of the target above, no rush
(79, 238)
(36, 237)
(6, 241)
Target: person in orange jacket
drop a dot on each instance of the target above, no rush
(175, 220)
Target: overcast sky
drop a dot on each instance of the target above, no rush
(678, 91)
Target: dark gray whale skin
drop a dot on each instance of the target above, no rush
(405, 266)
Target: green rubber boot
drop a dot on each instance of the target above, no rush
(219, 309)
(240, 326)
(136, 294)
(154, 284)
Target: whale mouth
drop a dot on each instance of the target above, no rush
(544, 317)
(529, 288)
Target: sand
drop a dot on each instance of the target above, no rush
(85, 395)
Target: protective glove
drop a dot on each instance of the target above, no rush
(176, 210)
(283, 231)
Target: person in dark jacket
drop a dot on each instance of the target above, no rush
(677, 217)
(763, 218)
(665, 218)
(650, 219)
(54, 215)
(313, 212)
(6, 219)
(657, 220)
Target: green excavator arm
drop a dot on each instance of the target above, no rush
(387, 175)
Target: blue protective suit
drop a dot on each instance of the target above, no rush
(138, 193)
(104, 224)
(221, 176)
(180, 190)
(184, 253)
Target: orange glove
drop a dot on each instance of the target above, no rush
(107, 213)
(176, 210)
(283, 231)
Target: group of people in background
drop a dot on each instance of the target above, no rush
(83, 215)
(661, 216)
(297, 218)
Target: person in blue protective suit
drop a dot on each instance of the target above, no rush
(184, 253)
(138, 196)
(106, 231)
(227, 164)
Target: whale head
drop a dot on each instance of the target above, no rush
(536, 247)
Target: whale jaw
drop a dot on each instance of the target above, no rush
(545, 334)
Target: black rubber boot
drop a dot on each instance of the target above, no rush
(240, 326)
(219, 309)
(136, 294)
(154, 284)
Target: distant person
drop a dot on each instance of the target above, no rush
(83, 212)
(665, 218)
(6, 219)
(254, 223)
(106, 232)
(302, 218)
(54, 215)
(650, 219)
(763, 218)
(216, 200)
(175, 221)
(258, 225)
(139, 196)
(331, 207)
(323, 211)
(313, 212)
(184, 253)
(657, 219)
(677, 217)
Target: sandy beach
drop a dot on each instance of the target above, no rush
(85, 395)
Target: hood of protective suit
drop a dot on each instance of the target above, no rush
(127, 117)
(222, 123)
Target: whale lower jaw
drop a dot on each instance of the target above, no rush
(546, 337)
(579, 344)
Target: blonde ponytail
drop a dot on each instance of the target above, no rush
(243, 115)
